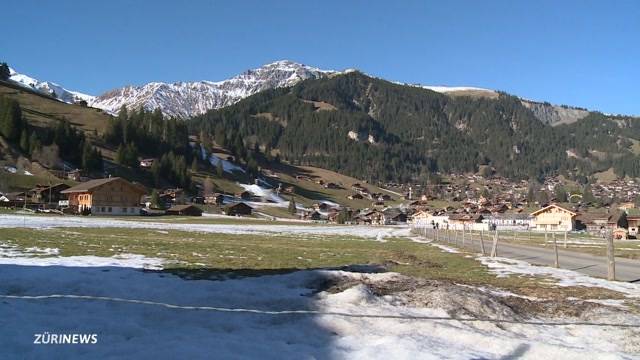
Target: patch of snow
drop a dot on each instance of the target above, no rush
(446, 248)
(12, 251)
(187, 99)
(504, 267)
(11, 169)
(227, 166)
(48, 88)
(160, 315)
(44, 222)
(447, 89)
(35, 256)
(609, 302)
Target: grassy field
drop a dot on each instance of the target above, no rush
(210, 255)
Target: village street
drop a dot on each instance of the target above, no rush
(592, 265)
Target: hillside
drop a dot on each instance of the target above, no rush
(187, 99)
(41, 109)
(367, 128)
(381, 131)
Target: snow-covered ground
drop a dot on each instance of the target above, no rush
(227, 166)
(505, 267)
(137, 313)
(34, 256)
(44, 222)
(157, 315)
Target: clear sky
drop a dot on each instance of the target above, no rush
(576, 52)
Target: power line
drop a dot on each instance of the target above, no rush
(312, 312)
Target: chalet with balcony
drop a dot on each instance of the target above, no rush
(553, 218)
(110, 196)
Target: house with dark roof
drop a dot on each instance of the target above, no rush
(47, 193)
(633, 222)
(596, 223)
(238, 209)
(393, 216)
(109, 196)
(184, 210)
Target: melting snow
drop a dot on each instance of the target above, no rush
(44, 222)
(35, 256)
(505, 267)
(158, 315)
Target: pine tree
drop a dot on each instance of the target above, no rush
(24, 142)
(220, 169)
(343, 216)
(219, 136)
(292, 206)
(34, 143)
(208, 187)
(560, 193)
(531, 195)
(91, 158)
(4, 71)
(194, 165)
(587, 195)
(11, 120)
(120, 155)
(155, 199)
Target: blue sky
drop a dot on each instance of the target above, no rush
(583, 53)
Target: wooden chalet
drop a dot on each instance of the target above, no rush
(184, 210)
(110, 196)
(238, 209)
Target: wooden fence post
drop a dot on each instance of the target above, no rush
(515, 236)
(494, 248)
(482, 242)
(555, 249)
(611, 260)
(463, 235)
(471, 238)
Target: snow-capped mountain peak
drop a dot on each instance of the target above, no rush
(187, 99)
(48, 88)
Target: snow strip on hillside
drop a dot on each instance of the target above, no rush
(505, 267)
(44, 222)
(266, 194)
(227, 166)
(250, 318)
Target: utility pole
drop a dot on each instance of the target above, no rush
(49, 200)
(555, 249)
(611, 260)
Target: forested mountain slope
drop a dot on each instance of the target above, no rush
(378, 130)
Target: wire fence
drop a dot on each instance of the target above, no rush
(307, 312)
(487, 242)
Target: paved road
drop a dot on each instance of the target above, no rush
(626, 269)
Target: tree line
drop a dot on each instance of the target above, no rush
(62, 140)
(149, 134)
